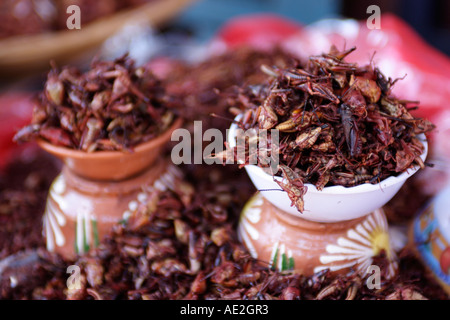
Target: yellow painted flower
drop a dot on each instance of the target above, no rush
(359, 247)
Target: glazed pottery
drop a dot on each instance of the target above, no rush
(288, 242)
(430, 237)
(97, 190)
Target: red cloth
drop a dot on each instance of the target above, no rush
(15, 112)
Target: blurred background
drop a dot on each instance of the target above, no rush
(32, 32)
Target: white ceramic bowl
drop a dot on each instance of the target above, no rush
(332, 204)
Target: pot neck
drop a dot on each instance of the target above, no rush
(311, 226)
(128, 185)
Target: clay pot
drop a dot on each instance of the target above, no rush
(430, 237)
(288, 242)
(97, 190)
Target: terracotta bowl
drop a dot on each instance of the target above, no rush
(111, 165)
(332, 204)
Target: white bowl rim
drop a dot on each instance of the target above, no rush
(361, 188)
